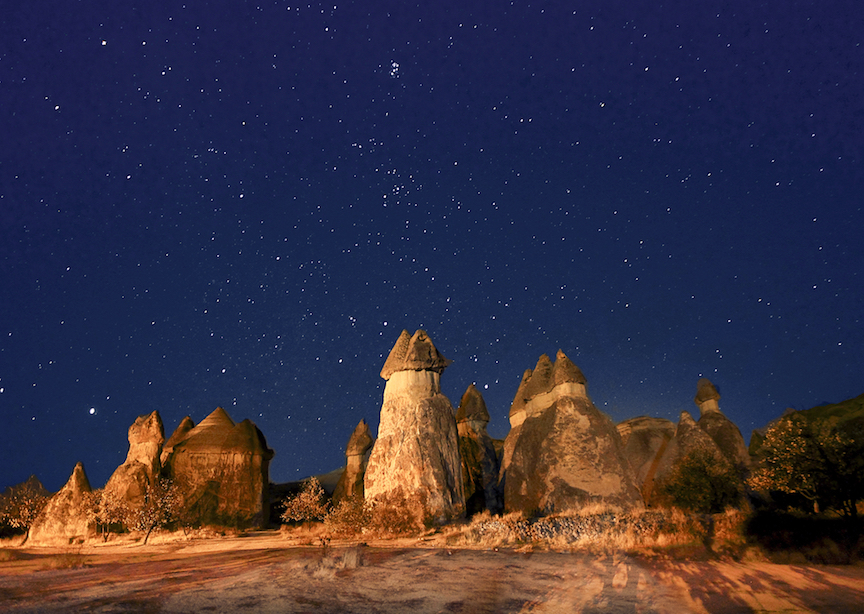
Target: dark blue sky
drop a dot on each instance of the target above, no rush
(243, 204)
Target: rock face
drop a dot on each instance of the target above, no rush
(65, 519)
(356, 454)
(480, 465)
(415, 459)
(222, 471)
(688, 438)
(143, 464)
(723, 431)
(562, 452)
(645, 442)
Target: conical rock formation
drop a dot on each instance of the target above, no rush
(66, 517)
(480, 465)
(222, 471)
(562, 452)
(415, 460)
(350, 483)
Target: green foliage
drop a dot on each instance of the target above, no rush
(309, 504)
(813, 459)
(704, 483)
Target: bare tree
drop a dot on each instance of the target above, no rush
(159, 509)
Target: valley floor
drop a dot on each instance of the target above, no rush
(265, 572)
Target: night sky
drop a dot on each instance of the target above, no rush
(242, 204)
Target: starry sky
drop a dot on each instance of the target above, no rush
(243, 204)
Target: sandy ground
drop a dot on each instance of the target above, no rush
(267, 573)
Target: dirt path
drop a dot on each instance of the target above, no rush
(263, 575)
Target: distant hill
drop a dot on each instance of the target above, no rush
(846, 414)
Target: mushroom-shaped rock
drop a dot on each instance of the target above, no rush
(480, 465)
(413, 353)
(350, 483)
(415, 460)
(66, 517)
(562, 452)
(706, 396)
(721, 429)
(142, 465)
(222, 471)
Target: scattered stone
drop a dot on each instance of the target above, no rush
(356, 456)
(66, 517)
(562, 452)
(480, 465)
(415, 459)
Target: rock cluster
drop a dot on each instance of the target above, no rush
(415, 461)
(221, 470)
(655, 446)
(562, 452)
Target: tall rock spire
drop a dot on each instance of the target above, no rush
(415, 461)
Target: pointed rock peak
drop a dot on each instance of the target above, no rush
(472, 406)
(219, 418)
(78, 481)
(705, 391)
(565, 371)
(248, 438)
(396, 358)
(186, 425)
(360, 441)
(686, 420)
(416, 353)
(147, 428)
(540, 380)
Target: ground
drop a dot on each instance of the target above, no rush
(269, 572)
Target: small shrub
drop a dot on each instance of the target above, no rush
(349, 517)
(308, 504)
(67, 560)
(703, 483)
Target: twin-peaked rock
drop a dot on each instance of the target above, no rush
(480, 464)
(415, 460)
(222, 471)
(66, 517)
(143, 465)
(562, 452)
(350, 483)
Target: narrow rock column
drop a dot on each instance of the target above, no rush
(415, 462)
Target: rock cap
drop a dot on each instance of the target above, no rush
(414, 353)
(472, 406)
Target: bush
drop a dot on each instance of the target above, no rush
(703, 483)
(349, 517)
(308, 504)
